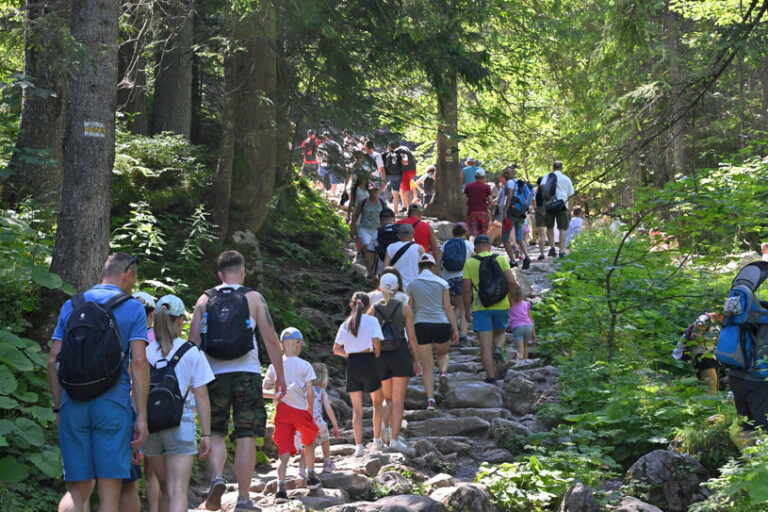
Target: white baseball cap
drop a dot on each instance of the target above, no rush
(480, 172)
(173, 304)
(146, 299)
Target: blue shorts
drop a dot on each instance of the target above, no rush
(95, 439)
(396, 180)
(519, 225)
(490, 320)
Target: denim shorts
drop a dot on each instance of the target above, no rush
(181, 440)
(519, 224)
(95, 439)
(396, 180)
(490, 320)
(522, 333)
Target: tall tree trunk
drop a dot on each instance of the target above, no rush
(82, 237)
(36, 164)
(677, 102)
(173, 84)
(222, 183)
(131, 91)
(447, 203)
(254, 88)
(764, 95)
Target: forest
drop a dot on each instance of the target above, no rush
(171, 129)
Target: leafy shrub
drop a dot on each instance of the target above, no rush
(525, 485)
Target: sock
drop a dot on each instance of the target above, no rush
(281, 486)
(377, 440)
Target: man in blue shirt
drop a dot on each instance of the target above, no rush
(469, 172)
(97, 436)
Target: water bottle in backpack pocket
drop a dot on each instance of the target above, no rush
(228, 333)
(165, 403)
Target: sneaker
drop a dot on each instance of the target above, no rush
(562, 255)
(313, 482)
(443, 383)
(218, 486)
(397, 445)
(498, 355)
(552, 253)
(378, 445)
(526, 263)
(431, 404)
(329, 466)
(359, 451)
(280, 497)
(463, 340)
(302, 474)
(245, 504)
(386, 434)
(500, 363)
(541, 257)
(512, 264)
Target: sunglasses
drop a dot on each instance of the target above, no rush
(134, 261)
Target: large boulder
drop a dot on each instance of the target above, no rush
(501, 428)
(453, 444)
(400, 503)
(341, 409)
(320, 498)
(394, 482)
(473, 394)
(669, 480)
(488, 414)
(523, 282)
(579, 498)
(496, 456)
(526, 391)
(443, 229)
(440, 480)
(446, 426)
(630, 504)
(358, 486)
(415, 397)
(315, 318)
(474, 497)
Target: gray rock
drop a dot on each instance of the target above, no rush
(413, 474)
(342, 450)
(501, 428)
(630, 504)
(394, 482)
(371, 463)
(460, 445)
(425, 445)
(474, 497)
(579, 498)
(446, 426)
(669, 480)
(526, 391)
(440, 480)
(316, 318)
(496, 456)
(400, 503)
(489, 414)
(473, 394)
(358, 486)
(341, 409)
(443, 229)
(415, 397)
(523, 282)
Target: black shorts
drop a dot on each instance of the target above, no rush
(704, 363)
(428, 333)
(363, 372)
(135, 474)
(562, 217)
(396, 363)
(751, 399)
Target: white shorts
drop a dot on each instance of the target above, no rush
(181, 440)
(366, 238)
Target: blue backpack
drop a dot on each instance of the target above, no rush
(743, 342)
(522, 197)
(454, 254)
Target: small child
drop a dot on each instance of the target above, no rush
(521, 324)
(322, 402)
(294, 410)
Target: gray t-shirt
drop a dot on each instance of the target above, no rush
(427, 292)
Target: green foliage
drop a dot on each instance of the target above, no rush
(526, 485)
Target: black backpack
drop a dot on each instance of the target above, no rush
(392, 165)
(91, 357)
(165, 404)
(493, 285)
(550, 188)
(385, 236)
(392, 339)
(404, 153)
(228, 331)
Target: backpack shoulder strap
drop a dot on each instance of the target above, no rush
(382, 203)
(210, 292)
(117, 300)
(78, 301)
(186, 347)
(244, 290)
(416, 224)
(400, 253)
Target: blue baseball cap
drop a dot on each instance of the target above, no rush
(291, 333)
(482, 239)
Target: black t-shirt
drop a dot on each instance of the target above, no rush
(429, 185)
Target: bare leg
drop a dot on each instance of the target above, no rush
(523, 246)
(458, 308)
(486, 340)
(525, 349)
(395, 200)
(378, 413)
(443, 355)
(370, 263)
(709, 376)
(356, 397)
(178, 469)
(400, 384)
(129, 497)
(386, 393)
(563, 235)
(542, 239)
(499, 338)
(245, 462)
(282, 465)
(509, 248)
(326, 450)
(427, 358)
(218, 455)
(109, 494)
(82, 490)
(152, 488)
(551, 237)
(309, 457)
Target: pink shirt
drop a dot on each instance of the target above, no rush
(518, 314)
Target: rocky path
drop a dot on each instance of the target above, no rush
(472, 424)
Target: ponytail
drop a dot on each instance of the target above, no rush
(361, 301)
(165, 330)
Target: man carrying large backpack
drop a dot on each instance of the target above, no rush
(98, 426)
(519, 198)
(556, 189)
(489, 276)
(223, 324)
(385, 235)
(393, 171)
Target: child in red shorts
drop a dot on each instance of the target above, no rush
(294, 410)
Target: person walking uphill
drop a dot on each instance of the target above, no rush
(477, 196)
(98, 426)
(404, 255)
(423, 233)
(491, 278)
(223, 324)
(556, 188)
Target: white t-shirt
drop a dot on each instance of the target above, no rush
(408, 264)
(450, 274)
(368, 330)
(379, 163)
(248, 363)
(192, 370)
(298, 373)
(564, 186)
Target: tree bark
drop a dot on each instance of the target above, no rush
(173, 84)
(131, 91)
(37, 173)
(677, 102)
(764, 95)
(447, 203)
(82, 237)
(222, 183)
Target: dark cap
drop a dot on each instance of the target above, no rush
(386, 213)
(405, 229)
(414, 207)
(482, 239)
(310, 132)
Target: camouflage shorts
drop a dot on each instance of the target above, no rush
(241, 393)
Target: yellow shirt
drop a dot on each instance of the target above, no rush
(472, 272)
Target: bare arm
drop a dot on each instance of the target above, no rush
(53, 377)
(512, 285)
(466, 293)
(204, 415)
(451, 316)
(412, 340)
(140, 383)
(197, 319)
(376, 346)
(331, 415)
(386, 260)
(354, 219)
(339, 350)
(310, 397)
(268, 334)
(434, 247)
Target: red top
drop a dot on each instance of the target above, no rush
(309, 149)
(477, 193)
(421, 231)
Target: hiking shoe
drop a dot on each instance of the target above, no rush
(463, 340)
(562, 255)
(552, 252)
(512, 264)
(386, 434)
(378, 445)
(398, 445)
(431, 404)
(500, 362)
(329, 466)
(526, 263)
(498, 355)
(245, 504)
(443, 383)
(302, 474)
(541, 256)
(280, 497)
(313, 482)
(218, 486)
(359, 451)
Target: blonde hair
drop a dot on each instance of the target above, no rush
(518, 294)
(321, 371)
(166, 330)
